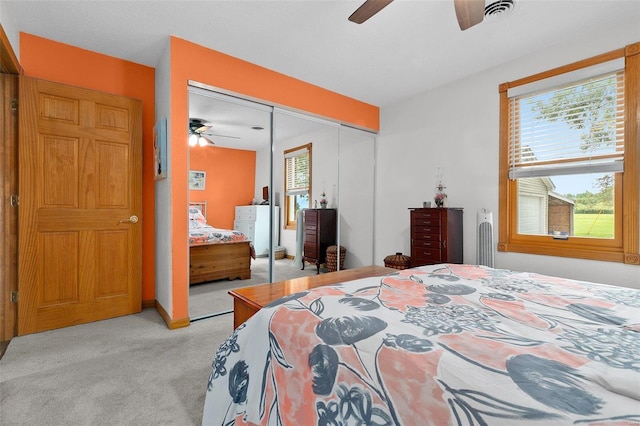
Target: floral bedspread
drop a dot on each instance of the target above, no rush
(435, 345)
(200, 232)
(210, 235)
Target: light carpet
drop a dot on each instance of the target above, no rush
(212, 297)
(130, 370)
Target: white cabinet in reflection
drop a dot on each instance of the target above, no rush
(253, 221)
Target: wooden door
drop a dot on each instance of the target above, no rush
(80, 182)
(8, 208)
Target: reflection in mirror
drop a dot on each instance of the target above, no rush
(234, 158)
(356, 176)
(229, 138)
(297, 183)
(292, 130)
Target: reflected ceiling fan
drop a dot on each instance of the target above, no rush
(468, 12)
(199, 133)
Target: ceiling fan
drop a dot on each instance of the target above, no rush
(199, 133)
(468, 12)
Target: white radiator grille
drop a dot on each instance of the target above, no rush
(484, 247)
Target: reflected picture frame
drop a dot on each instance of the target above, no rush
(197, 180)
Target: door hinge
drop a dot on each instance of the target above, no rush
(15, 200)
(14, 105)
(14, 297)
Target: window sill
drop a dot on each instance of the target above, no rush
(604, 254)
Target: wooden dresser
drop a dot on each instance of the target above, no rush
(436, 236)
(319, 233)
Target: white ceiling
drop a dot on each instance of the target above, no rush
(407, 48)
(234, 119)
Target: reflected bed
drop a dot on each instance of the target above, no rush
(214, 253)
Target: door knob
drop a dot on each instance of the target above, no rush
(132, 219)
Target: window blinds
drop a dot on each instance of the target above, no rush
(572, 129)
(297, 172)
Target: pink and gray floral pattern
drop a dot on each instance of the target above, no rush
(200, 232)
(435, 345)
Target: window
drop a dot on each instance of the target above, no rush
(569, 160)
(297, 178)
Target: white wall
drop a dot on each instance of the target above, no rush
(163, 189)
(456, 127)
(9, 27)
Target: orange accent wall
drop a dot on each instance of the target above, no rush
(55, 61)
(230, 181)
(50, 60)
(190, 61)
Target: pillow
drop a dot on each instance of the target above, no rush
(196, 219)
(194, 224)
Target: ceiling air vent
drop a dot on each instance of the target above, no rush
(499, 9)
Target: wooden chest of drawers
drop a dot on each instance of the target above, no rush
(319, 233)
(436, 236)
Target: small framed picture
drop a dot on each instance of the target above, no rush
(160, 149)
(197, 179)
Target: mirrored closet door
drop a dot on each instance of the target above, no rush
(229, 143)
(305, 172)
(259, 170)
(356, 162)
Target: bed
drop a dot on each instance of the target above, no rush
(435, 345)
(215, 253)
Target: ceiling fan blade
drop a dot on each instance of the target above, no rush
(196, 125)
(469, 12)
(208, 141)
(223, 136)
(367, 10)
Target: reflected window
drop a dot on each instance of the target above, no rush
(297, 178)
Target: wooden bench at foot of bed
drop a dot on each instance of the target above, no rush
(209, 262)
(249, 300)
